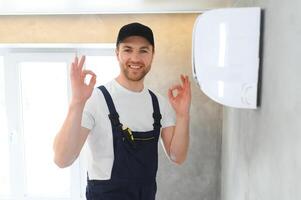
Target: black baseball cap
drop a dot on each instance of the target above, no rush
(135, 29)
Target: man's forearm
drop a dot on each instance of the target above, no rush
(180, 141)
(67, 140)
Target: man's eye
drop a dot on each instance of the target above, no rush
(127, 50)
(143, 51)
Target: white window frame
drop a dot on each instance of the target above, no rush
(13, 54)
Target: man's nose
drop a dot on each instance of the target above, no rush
(135, 57)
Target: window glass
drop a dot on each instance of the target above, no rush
(44, 106)
(4, 139)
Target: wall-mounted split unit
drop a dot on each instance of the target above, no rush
(226, 55)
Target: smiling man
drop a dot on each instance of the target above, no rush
(122, 122)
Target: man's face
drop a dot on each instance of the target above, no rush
(135, 55)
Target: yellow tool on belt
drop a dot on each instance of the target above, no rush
(129, 132)
(129, 136)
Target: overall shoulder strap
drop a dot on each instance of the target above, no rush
(113, 116)
(156, 114)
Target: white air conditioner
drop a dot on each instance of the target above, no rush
(225, 55)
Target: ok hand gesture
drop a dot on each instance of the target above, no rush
(80, 90)
(181, 100)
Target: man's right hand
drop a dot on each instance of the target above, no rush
(72, 136)
(80, 90)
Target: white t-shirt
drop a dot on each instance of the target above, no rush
(135, 111)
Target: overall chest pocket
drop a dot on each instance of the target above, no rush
(138, 139)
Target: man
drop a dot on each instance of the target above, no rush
(122, 121)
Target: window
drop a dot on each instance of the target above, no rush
(34, 96)
(4, 139)
(44, 101)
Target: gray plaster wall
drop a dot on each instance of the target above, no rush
(261, 149)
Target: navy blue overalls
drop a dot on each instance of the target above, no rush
(135, 163)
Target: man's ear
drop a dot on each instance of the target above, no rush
(117, 52)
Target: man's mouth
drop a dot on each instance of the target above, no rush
(135, 66)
